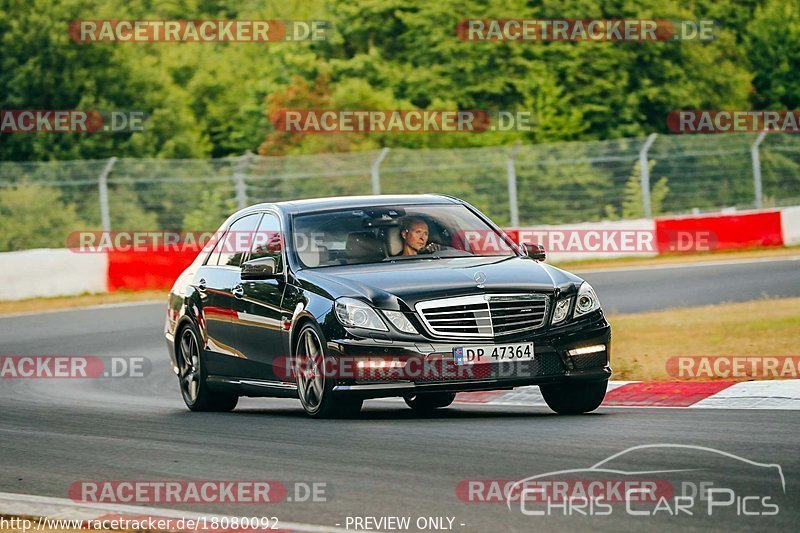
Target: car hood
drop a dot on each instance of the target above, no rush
(416, 280)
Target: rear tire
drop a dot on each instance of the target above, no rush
(428, 402)
(574, 398)
(314, 388)
(192, 375)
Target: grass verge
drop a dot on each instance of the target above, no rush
(35, 305)
(643, 342)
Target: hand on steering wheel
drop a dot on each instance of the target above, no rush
(430, 248)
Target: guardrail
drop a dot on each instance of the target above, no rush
(62, 272)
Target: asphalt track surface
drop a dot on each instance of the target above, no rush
(388, 462)
(633, 290)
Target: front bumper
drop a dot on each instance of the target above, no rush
(552, 364)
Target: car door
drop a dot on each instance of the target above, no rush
(260, 321)
(217, 281)
(213, 318)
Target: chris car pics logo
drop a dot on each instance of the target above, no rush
(707, 482)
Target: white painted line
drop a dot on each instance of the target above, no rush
(699, 264)
(36, 506)
(89, 308)
(777, 394)
(531, 396)
(773, 394)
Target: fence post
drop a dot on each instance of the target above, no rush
(239, 177)
(102, 183)
(754, 155)
(644, 171)
(375, 171)
(511, 170)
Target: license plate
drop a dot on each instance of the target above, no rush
(493, 353)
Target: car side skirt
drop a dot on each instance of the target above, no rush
(252, 387)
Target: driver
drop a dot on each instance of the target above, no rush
(414, 234)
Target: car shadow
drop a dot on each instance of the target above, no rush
(378, 412)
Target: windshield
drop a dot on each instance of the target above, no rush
(394, 233)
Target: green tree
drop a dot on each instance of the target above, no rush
(213, 207)
(127, 213)
(772, 45)
(34, 217)
(632, 203)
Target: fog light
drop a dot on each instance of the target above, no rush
(587, 349)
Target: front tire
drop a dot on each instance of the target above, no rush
(426, 403)
(574, 398)
(314, 388)
(192, 376)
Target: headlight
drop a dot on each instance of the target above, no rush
(400, 321)
(562, 308)
(355, 314)
(587, 300)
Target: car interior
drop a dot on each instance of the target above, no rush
(347, 245)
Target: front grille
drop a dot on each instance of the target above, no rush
(487, 316)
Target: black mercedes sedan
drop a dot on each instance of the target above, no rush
(338, 300)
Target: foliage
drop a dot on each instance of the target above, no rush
(34, 217)
(772, 46)
(215, 99)
(213, 207)
(632, 204)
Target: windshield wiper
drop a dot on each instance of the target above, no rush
(412, 257)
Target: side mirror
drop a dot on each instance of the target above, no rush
(534, 251)
(261, 268)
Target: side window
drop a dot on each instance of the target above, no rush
(268, 241)
(213, 258)
(237, 241)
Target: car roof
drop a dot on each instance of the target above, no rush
(355, 202)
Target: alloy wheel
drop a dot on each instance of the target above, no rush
(310, 376)
(189, 365)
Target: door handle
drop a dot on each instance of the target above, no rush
(201, 285)
(238, 291)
